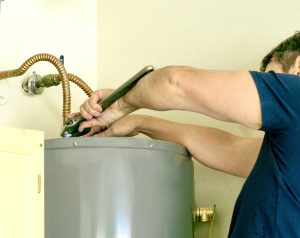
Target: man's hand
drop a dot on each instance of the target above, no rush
(126, 126)
(96, 118)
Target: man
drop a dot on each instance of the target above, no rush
(269, 203)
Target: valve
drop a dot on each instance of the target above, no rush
(204, 214)
(29, 84)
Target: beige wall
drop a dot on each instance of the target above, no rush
(209, 34)
(29, 27)
(228, 35)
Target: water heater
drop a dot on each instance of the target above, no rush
(118, 188)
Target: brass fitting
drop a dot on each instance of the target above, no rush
(204, 214)
(35, 84)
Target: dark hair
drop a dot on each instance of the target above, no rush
(285, 53)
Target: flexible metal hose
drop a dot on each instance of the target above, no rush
(55, 79)
(80, 83)
(61, 70)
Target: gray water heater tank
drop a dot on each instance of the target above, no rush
(117, 188)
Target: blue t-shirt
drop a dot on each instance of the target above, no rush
(269, 202)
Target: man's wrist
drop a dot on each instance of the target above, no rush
(140, 123)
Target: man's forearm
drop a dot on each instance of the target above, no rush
(215, 148)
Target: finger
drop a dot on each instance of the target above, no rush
(88, 124)
(94, 130)
(96, 97)
(93, 101)
(74, 114)
(90, 108)
(85, 111)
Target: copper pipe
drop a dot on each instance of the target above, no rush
(55, 79)
(61, 70)
(80, 83)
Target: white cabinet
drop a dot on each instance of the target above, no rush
(21, 183)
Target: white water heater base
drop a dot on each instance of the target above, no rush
(118, 188)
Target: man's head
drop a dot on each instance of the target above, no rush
(285, 57)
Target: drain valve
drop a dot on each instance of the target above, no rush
(204, 214)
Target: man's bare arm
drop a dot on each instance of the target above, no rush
(212, 147)
(224, 95)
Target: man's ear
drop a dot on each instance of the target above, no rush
(295, 68)
(298, 64)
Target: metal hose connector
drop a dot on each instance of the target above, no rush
(61, 70)
(55, 79)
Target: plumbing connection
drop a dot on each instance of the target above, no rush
(51, 79)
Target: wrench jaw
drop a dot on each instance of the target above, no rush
(71, 128)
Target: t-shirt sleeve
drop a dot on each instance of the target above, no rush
(280, 100)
